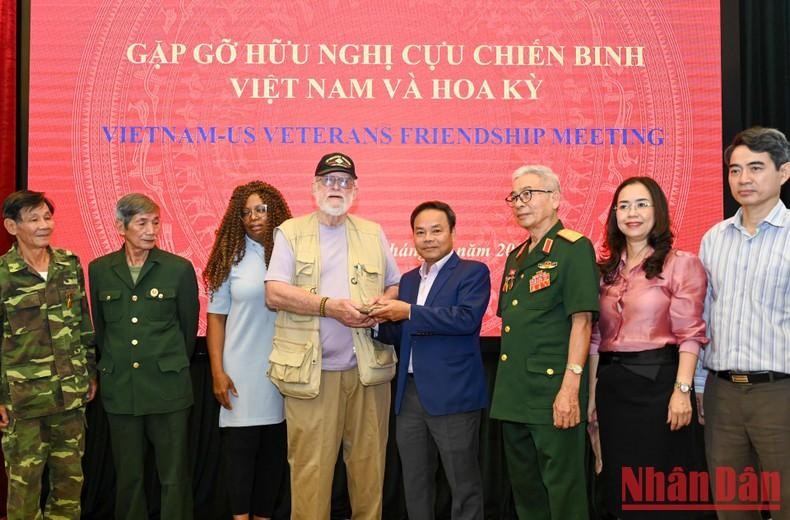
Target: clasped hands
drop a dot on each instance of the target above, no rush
(359, 315)
(386, 309)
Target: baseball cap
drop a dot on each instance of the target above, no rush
(335, 162)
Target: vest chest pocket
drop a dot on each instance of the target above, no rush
(304, 275)
(369, 279)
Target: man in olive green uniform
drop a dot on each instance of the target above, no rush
(47, 363)
(145, 309)
(548, 300)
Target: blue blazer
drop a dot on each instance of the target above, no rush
(443, 336)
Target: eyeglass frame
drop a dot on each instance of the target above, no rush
(511, 199)
(333, 181)
(637, 205)
(247, 213)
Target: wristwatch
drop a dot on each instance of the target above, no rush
(683, 387)
(575, 368)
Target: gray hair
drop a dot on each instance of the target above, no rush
(544, 172)
(133, 204)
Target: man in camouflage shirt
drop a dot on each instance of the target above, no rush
(47, 364)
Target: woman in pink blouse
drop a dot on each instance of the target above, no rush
(650, 334)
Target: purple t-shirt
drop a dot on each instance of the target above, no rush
(336, 341)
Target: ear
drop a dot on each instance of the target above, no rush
(119, 227)
(784, 172)
(10, 226)
(555, 200)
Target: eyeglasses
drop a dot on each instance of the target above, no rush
(640, 205)
(524, 196)
(329, 181)
(259, 211)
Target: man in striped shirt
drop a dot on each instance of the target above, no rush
(747, 259)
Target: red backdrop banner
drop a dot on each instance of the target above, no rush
(433, 100)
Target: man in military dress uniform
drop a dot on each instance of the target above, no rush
(145, 309)
(47, 363)
(548, 300)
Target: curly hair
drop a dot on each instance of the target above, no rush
(229, 246)
(660, 238)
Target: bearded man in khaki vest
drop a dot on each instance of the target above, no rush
(326, 267)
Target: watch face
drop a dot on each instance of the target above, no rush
(685, 388)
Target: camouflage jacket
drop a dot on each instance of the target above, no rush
(47, 356)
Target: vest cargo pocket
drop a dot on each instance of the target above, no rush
(290, 361)
(383, 355)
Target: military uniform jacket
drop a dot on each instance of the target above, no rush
(145, 332)
(540, 291)
(47, 354)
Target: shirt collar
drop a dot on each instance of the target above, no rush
(436, 267)
(252, 244)
(777, 217)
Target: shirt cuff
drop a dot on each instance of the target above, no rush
(690, 346)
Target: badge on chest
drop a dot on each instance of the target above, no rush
(539, 280)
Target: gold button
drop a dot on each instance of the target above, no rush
(134, 342)
(503, 357)
(507, 328)
(522, 275)
(550, 371)
(134, 319)
(135, 365)
(161, 296)
(134, 297)
(107, 297)
(515, 302)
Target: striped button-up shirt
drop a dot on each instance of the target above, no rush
(746, 305)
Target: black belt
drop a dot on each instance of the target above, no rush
(661, 356)
(750, 378)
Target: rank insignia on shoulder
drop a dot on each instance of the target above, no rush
(539, 280)
(547, 245)
(548, 264)
(569, 235)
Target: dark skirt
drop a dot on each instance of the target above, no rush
(632, 403)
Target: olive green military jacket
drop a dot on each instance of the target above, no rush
(145, 332)
(47, 357)
(540, 291)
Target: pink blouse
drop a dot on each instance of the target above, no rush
(641, 314)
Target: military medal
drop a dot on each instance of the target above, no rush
(508, 283)
(539, 280)
(548, 264)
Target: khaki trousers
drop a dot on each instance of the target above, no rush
(346, 411)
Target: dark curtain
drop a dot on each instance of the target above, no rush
(208, 480)
(755, 78)
(755, 72)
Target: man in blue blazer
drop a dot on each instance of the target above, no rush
(441, 386)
